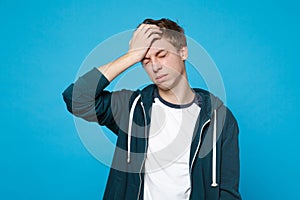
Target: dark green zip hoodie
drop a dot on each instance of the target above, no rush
(214, 153)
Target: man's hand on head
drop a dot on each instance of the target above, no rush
(142, 39)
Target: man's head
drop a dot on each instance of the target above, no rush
(164, 61)
(171, 31)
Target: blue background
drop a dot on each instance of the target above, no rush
(255, 45)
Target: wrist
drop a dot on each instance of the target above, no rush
(134, 56)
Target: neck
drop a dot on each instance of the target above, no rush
(181, 94)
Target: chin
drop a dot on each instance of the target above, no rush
(162, 86)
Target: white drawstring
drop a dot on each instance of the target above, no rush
(214, 158)
(130, 126)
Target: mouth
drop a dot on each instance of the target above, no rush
(160, 77)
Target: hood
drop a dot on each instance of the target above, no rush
(210, 101)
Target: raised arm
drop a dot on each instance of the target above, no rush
(87, 99)
(139, 44)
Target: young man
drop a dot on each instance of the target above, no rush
(174, 142)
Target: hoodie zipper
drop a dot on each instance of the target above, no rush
(146, 145)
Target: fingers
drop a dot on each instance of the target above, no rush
(149, 32)
(147, 29)
(143, 38)
(154, 36)
(144, 35)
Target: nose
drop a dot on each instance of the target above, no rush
(156, 66)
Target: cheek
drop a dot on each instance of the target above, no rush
(172, 61)
(174, 65)
(148, 70)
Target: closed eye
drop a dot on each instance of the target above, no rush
(162, 54)
(145, 61)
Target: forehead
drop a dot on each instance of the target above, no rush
(161, 44)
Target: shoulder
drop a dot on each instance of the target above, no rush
(210, 102)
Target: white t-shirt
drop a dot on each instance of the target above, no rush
(167, 174)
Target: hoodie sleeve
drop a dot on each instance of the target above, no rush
(87, 99)
(230, 163)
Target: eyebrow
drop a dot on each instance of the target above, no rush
(158, 52)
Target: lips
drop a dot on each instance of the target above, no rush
(160, 77)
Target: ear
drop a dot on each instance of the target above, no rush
(183, 53)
